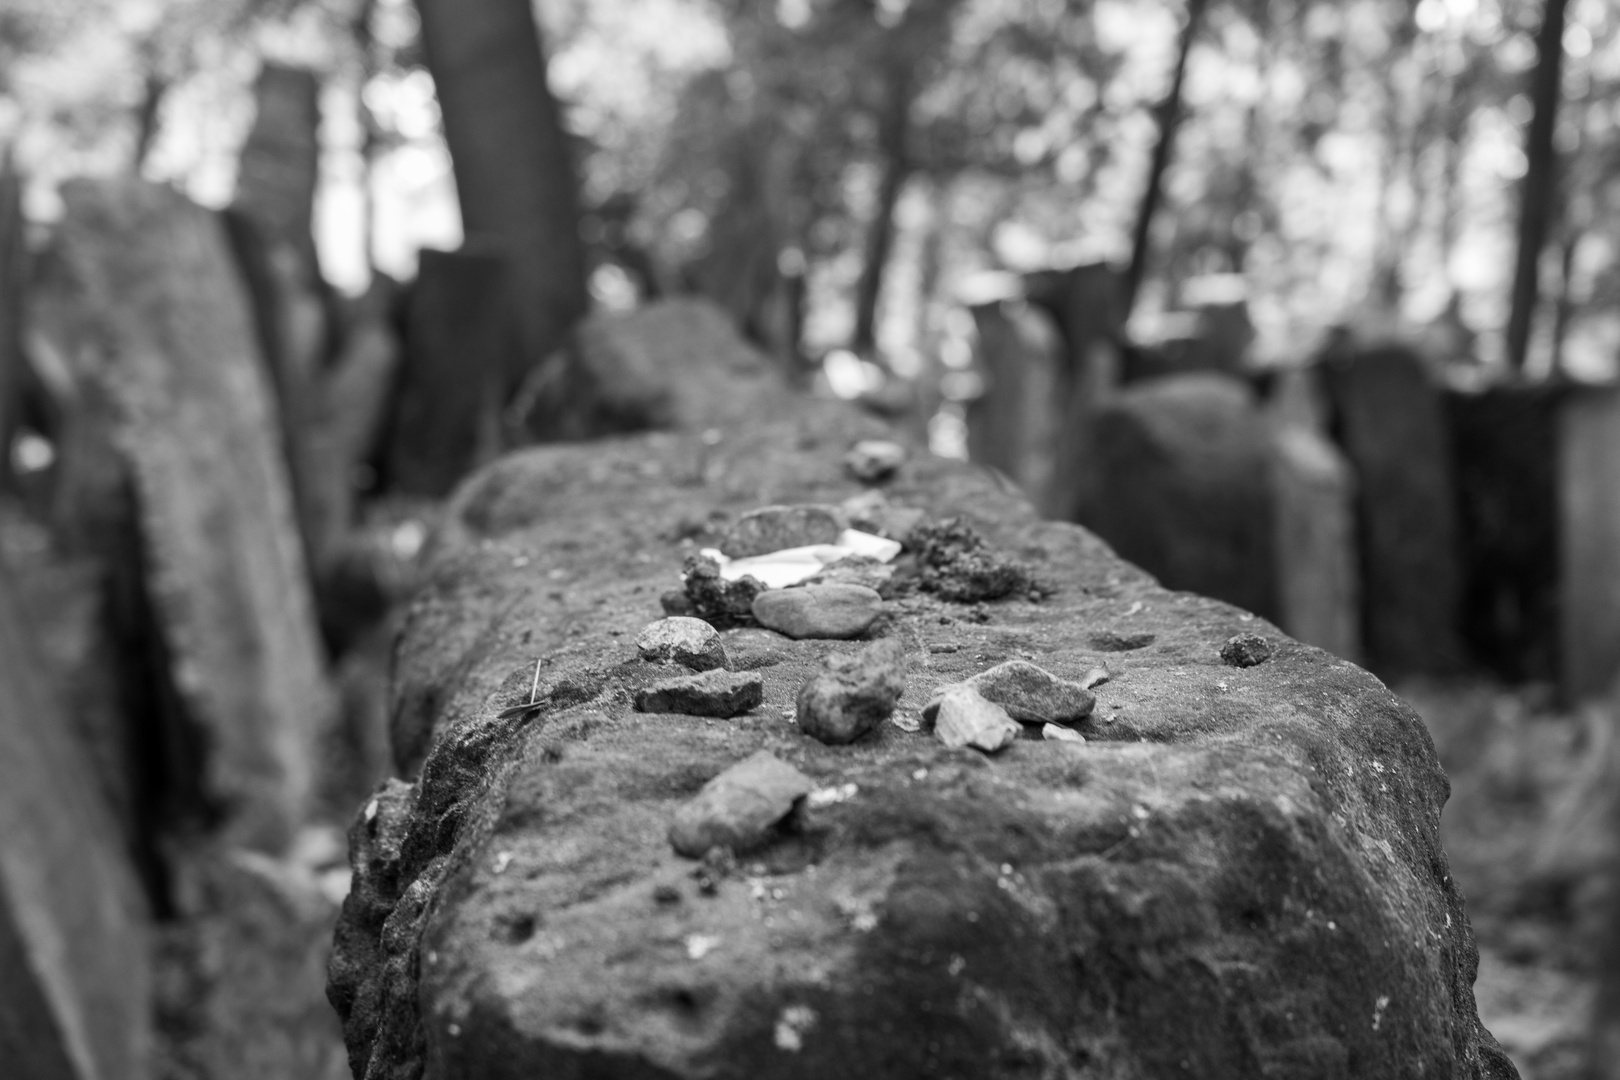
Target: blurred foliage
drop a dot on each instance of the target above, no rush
(1344, 156)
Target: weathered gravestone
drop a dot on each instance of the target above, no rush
(1391, 422)
(279, 167)
(1014, 425)
(1505, 445)
(459, 335)
(1589, 550)
(1182, 487)
(1313, 513)
(169, 352)
(75, 975)
(1236, 874)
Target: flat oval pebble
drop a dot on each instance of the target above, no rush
(818, 611)
(739, 808)
(964, 718)
(718, 693)
(1029, 693)
(777, 528)
(680, 640)
(852, 693)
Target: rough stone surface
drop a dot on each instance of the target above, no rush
(776, 528)
(962, 717)
(818, 611)
(852, 693)
(739, 808)
(1246, 650)
(872, 461)
(1224, 881)
(722, 694)
(956, 564)
(1029, 693)
(680, 640)
(713, 599)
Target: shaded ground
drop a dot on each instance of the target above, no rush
(1525, 834)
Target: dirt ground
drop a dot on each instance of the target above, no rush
(1526, 834)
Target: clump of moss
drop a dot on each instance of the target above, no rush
(954, 563)
(721, 603)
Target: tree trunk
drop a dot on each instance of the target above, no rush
(893, 132)
(1540, 180)
(513, 163)
(1169, 116)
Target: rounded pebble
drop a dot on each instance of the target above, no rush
(678, 639)
(818, 611)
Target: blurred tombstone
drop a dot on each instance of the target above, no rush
(13, 274)
(1184, 487)
(194, 421)
(1589, 549)
(513, 165)
(1013, 425)
(354, 395)
(280, 162)
(1223, 330)
(1391, 423)
(1313, 507)
(459, 336)
(1085, 303)
(75, 979)
(1505, 445)
(271, 233)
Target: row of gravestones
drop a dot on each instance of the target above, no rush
(1355, 501)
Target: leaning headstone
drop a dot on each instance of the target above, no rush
(1391, 422)
(1313, 510)
(1183, 488)
(1589, 550)
(75, 979)
(195, 421)
(1505, 442)
(458, 333)
(1013, 425)
(1085, 302)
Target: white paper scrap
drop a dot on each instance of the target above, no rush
(779, 569)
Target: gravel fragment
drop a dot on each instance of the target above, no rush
(818, 611)
(852, 693)
(680, 640)
(873, 460)
(964, 718)
(1028, 692)
(717, 693)
(1059, 733)
(716, 601)
(739, 809)
(1246, 650)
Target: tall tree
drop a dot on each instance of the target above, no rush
(515, 174)
(1539, 189)
(1169, 117)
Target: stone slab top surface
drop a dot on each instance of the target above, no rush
(1237, 874)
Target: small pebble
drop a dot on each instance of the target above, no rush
(852, 693)
(1246, 650)
(1095, 677)
(738, 809)
(1059, 733)
(818, 611)
(1029, 693)
(675, 602)
(776, 528)
(716, 693)
(680, 640)
(873, 460)
(667, 894)
(964, 718)
(943, 647)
